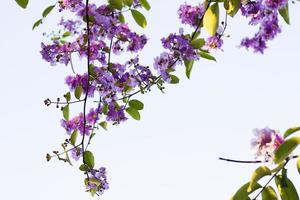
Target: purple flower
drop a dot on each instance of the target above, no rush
(191, 15)
(77, 123)
(76, 153)
(180, 47)
(72, 5)
(275, 4)
(256, 43)
(264, 13)
(115, 114)
(164, 64)
(266, 143)
(213, 42)
(97, 181)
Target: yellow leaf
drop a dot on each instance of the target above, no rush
(211, 19)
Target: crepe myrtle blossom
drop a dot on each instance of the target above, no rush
(265, 14)
(180, 47)
(76, 153)
(265, 143)
(213, 43)
(77, 123)
(191, 15)
(97, 181)
(164, 64)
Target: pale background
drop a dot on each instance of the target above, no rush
(172, 153)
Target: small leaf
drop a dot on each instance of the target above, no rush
(117, 4)
(269, 194)
(134, 113)
(174, 79)
(285, 149)
(66, 34)
(48, 10)
(284, 12)
(298, 164)
(290, 131)
(103, 125)
(287, 190)
(198, 43)
(188, 67)
(139, 18)
(122, 18)
(22, 3)
(136, 104)
(232, 6)
(211, 19)
(128, 2)
(207, 56)
(145, 4)
(78, 92)
(242, 193)
(73, 137)
(68, 96)
(37, 23)
(259, 173)
(84, 168)
(66, 112)
(89, 159)
(95, 181)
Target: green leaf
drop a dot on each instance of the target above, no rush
(48, 10)
(84, 168)
(136, 104)
(103, 125)
(284, 12)
(66, 34)
(269, 194)
(22, 3)
(174, 79)
(242, 193)
(37, 23)
(188, 67)
(207, 56)
(89, 159)
(232, 6)
(211, 19)
(68, 96)
(139, 18)
(290, 131)
(134, 113)
(298, 164)
(95, 181)
(78, 92)
(145, 4)
(66, 112)
(122, 18)
(73, 137)
(128, 2)
(259, 173)
(198, 43)
(285, 149)
(116, 4)
(286, 188)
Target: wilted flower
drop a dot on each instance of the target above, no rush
(266, 142)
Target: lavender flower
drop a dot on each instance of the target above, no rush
(97, 181)
(191, 15)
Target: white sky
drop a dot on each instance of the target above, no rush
(172, 153)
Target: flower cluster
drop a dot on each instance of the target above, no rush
(97, 33)
(266, 142)
(191, 15)
(264, 13)
(97, 181)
